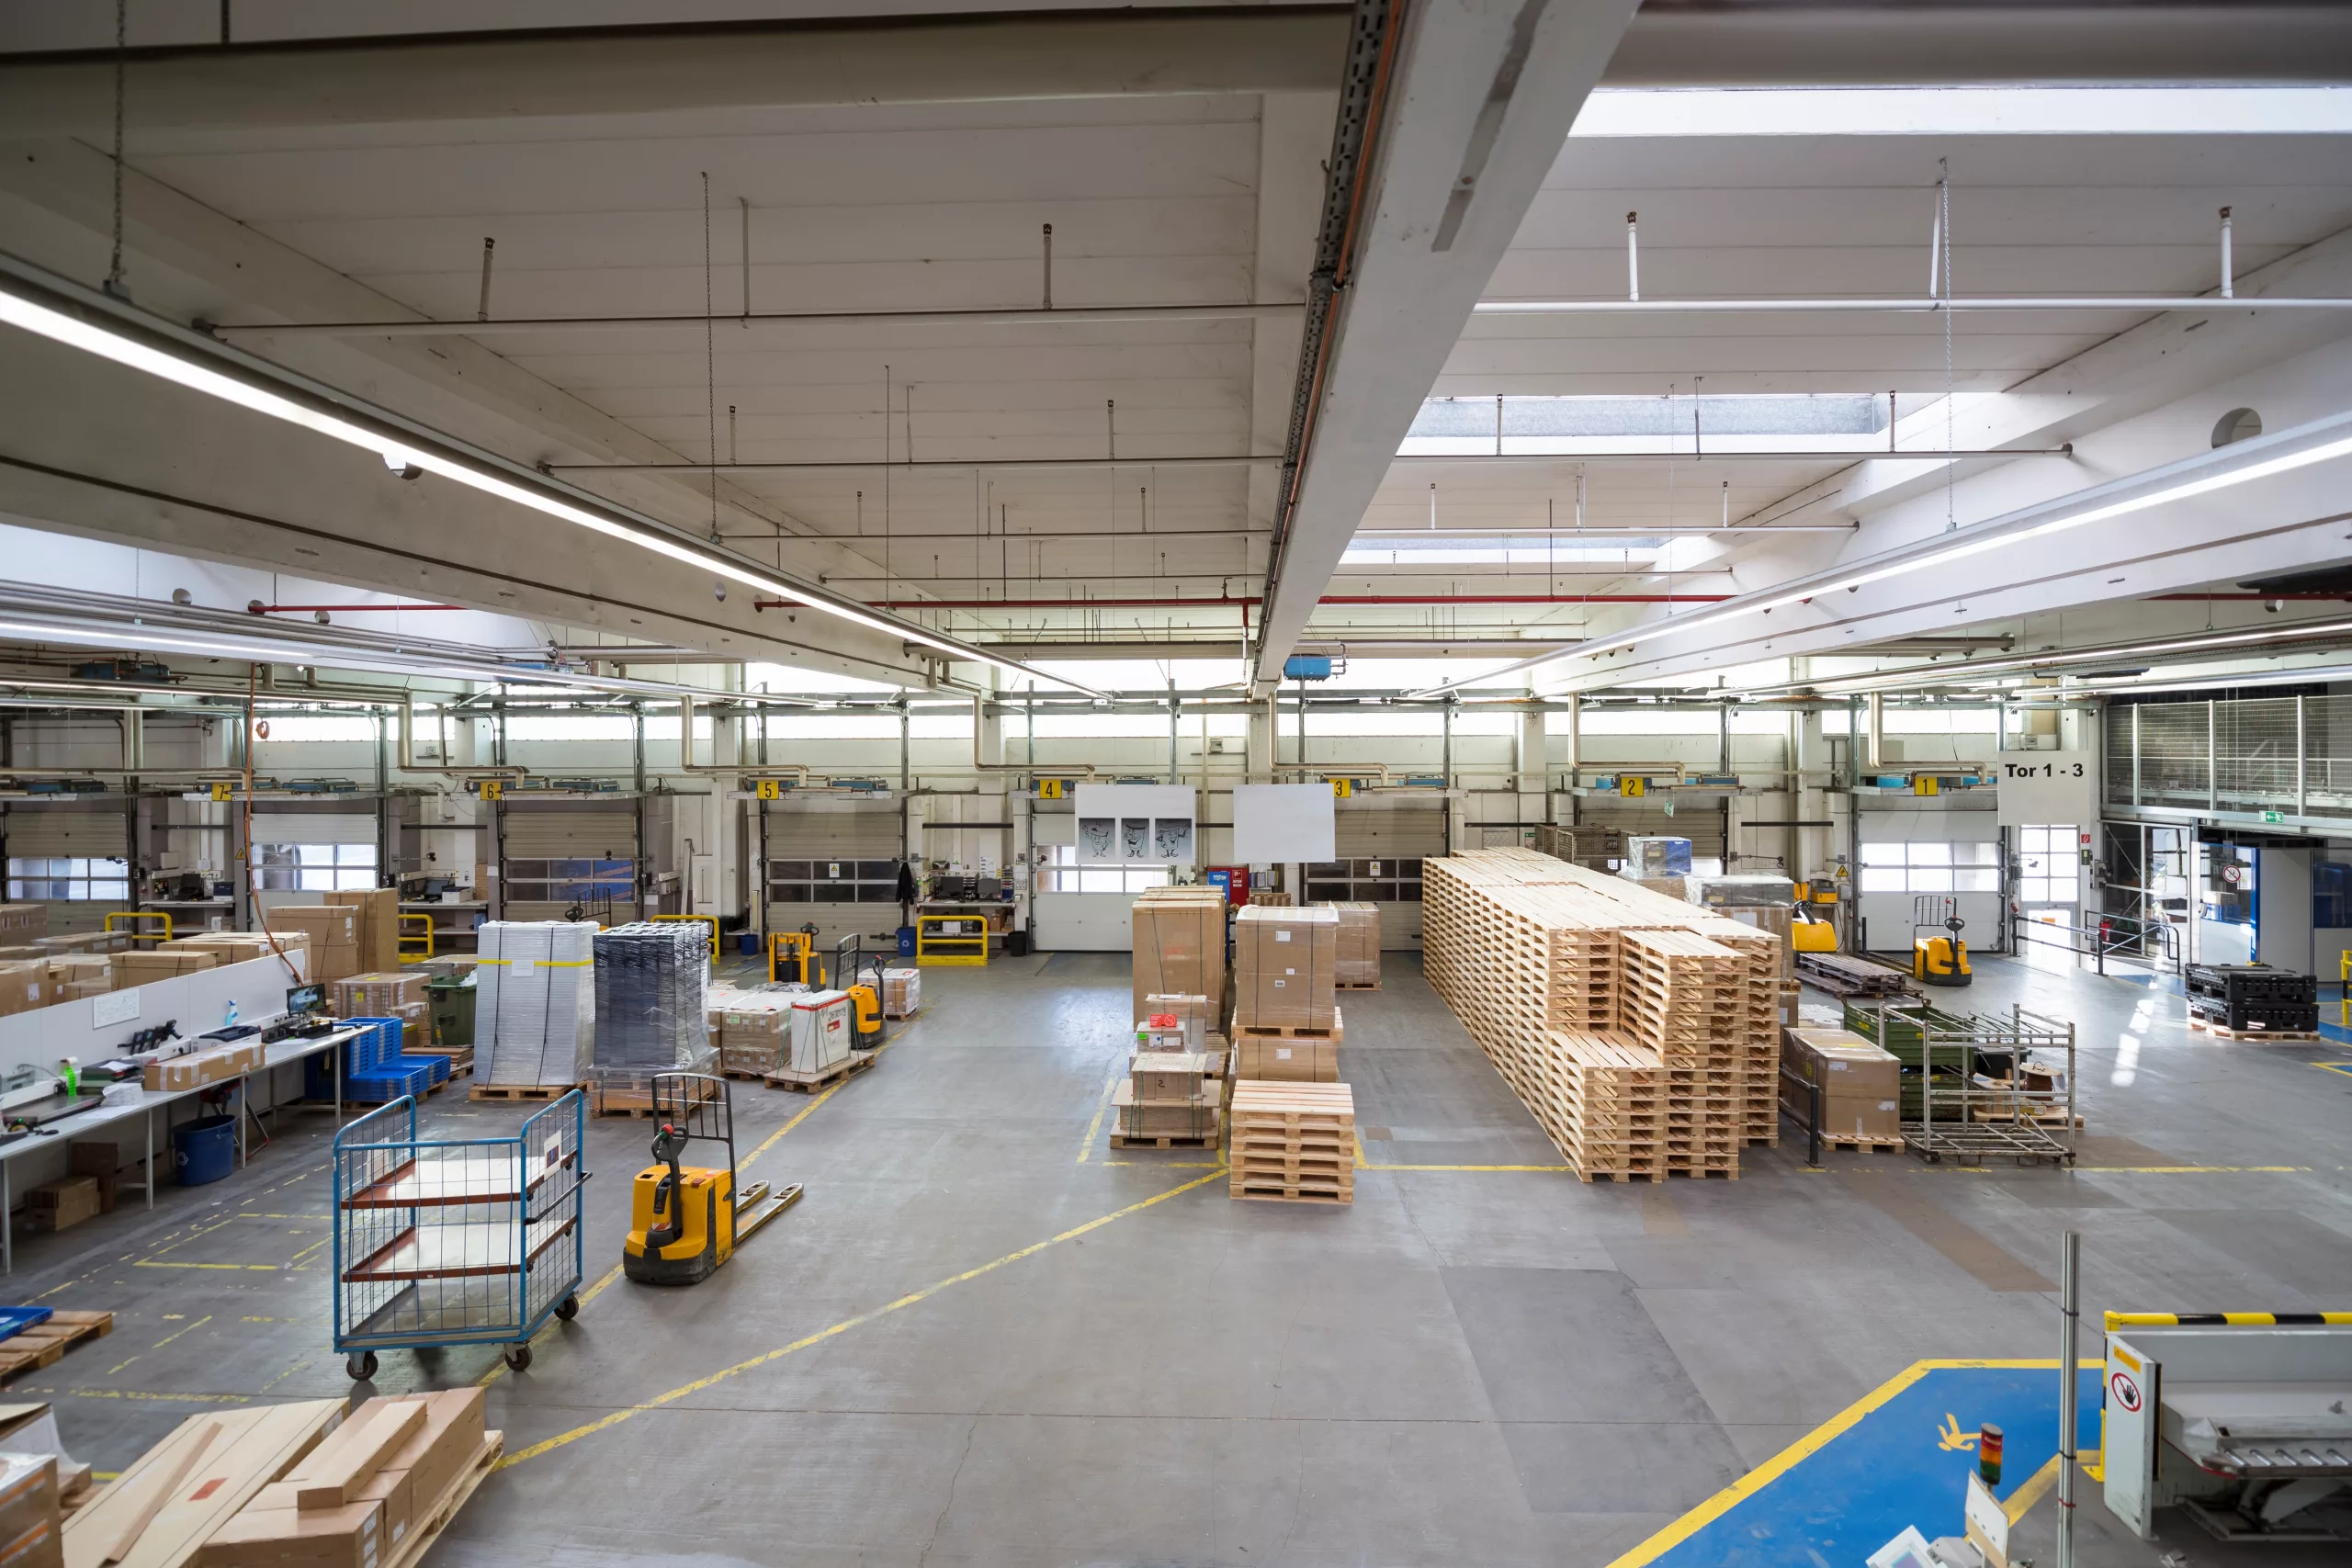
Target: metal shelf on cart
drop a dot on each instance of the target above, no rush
(448, 1181)
(452, 1253)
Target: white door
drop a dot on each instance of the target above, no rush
(1932, 851)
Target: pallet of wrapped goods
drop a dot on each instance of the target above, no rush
(901, 992)
(332, 930)
(1292, 1143)
(535, 1016)
(652, 981)
(1167, 1100)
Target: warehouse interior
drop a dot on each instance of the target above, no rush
(1759, 590)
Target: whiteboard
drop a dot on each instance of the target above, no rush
(1275, 823)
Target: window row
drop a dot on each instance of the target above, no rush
(315, 868)
(69, 879)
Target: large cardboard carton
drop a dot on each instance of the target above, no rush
(1178, 938)
(1167, 1075)
(166, 963)
(390, 1463)
(200, 1067)
(1286, 1061)
(1195, 1118)
(334, 933)
(63, 1204)
(1284, 963)
(240, 947)
(1357, 959)
(380, 994)
(379, 924)
(23, 922)
(102, 1163)
(24, 986)
(1861, 1086)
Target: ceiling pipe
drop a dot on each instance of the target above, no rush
(687, 763)
(1240, 460)
(1465, 459)
(1327, 599)
(1054, 769)
(408, 764)
(1068, 315)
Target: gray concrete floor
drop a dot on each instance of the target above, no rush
(1043, 1352)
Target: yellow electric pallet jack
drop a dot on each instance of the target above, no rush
(1937, 960)
(859, 972)
(684, 1221)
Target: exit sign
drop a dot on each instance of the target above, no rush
(2274, 816)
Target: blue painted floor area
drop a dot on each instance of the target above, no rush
(1844, 1492)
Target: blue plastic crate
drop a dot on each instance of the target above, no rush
(440, 1064)
(16, 1320)
(391, 1084)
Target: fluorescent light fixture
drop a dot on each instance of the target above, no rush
(1964, 111)
(2202, 473)
(59, 326)
(1969, 669)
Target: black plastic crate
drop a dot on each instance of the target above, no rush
(2245, 984)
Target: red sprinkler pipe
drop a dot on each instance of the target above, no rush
(346, 609)
(1250, 603)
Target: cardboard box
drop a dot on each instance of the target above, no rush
(1195, 1118)
(1178, 938)
(384, 1463)
(1167, 1075)
(24, 986)
(901, 993)
(378, 994)
(1861, 1086)
(242, 947)
(198, 1069)
(23, 922)
(82, 968)
(1286, 1061)
(1357, 959)
(102, 1163)
(379, 924)
(349, 1537)
(61, 1204)
(334, 933)
(166, 963)
(1284, 963)
(752, 1038)
(31, 1532)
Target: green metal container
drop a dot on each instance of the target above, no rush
(453, 1011)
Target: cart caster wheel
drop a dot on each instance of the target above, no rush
(361, 1367)
(518, 1359)
(568, 1308)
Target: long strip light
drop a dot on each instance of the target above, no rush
(19, 310)
(2304, 631)
(2263, 457)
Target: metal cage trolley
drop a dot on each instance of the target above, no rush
(464, 1241)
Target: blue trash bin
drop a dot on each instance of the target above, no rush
(748, 943)
(204, 1150)
(906, 942)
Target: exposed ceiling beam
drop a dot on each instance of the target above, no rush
(1452, 118)
(601, 71)
(1915, 45)
(1101, 53)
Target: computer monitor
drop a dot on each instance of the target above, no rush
(306, 999)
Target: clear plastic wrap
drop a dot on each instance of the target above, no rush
(534, 1017)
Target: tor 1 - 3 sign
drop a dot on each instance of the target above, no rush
(2048, 789)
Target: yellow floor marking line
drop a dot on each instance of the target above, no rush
(2343, 1068)
(2018, 1503)
(177, 1332)
(1170, 1165)
(1788, 1458)
(1094, 1128)
(550, 1444)
(142, 1393)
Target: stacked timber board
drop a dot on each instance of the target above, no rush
(1641, 1030)
(1293, 1142)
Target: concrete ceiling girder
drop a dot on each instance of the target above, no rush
(177, 470)
(1481, 99)
(190, 261)
(642, 70)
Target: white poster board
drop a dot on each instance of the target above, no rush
(1143, 824)
(2048, 788)
(1277, 823)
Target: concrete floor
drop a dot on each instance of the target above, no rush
(983, 1338)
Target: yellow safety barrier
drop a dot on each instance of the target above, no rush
(2116, 1320)
(2344, 974)
(711, 919)
(935, 946)
(134, 917)
(408, 948)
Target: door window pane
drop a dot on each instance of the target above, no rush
(1930, 854)
(1882, 854)
(1882, 879)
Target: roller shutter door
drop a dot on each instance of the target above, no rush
(1930, 853)
(834, 865)
(83, 848)
(65, 831)
(1702, 823)
(557, 855)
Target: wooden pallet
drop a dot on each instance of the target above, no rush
(1355, 984)
(1862, 1145)
(2258, 1036)
(907, 1017)
(1272, 1192)
(44, 1343)
(810, 1083)
(523, 1090)
(1335, 1034)
(1163, 1140)
(743, 1075)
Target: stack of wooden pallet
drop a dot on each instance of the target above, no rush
(1642, 1032)
(1293, 1142)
